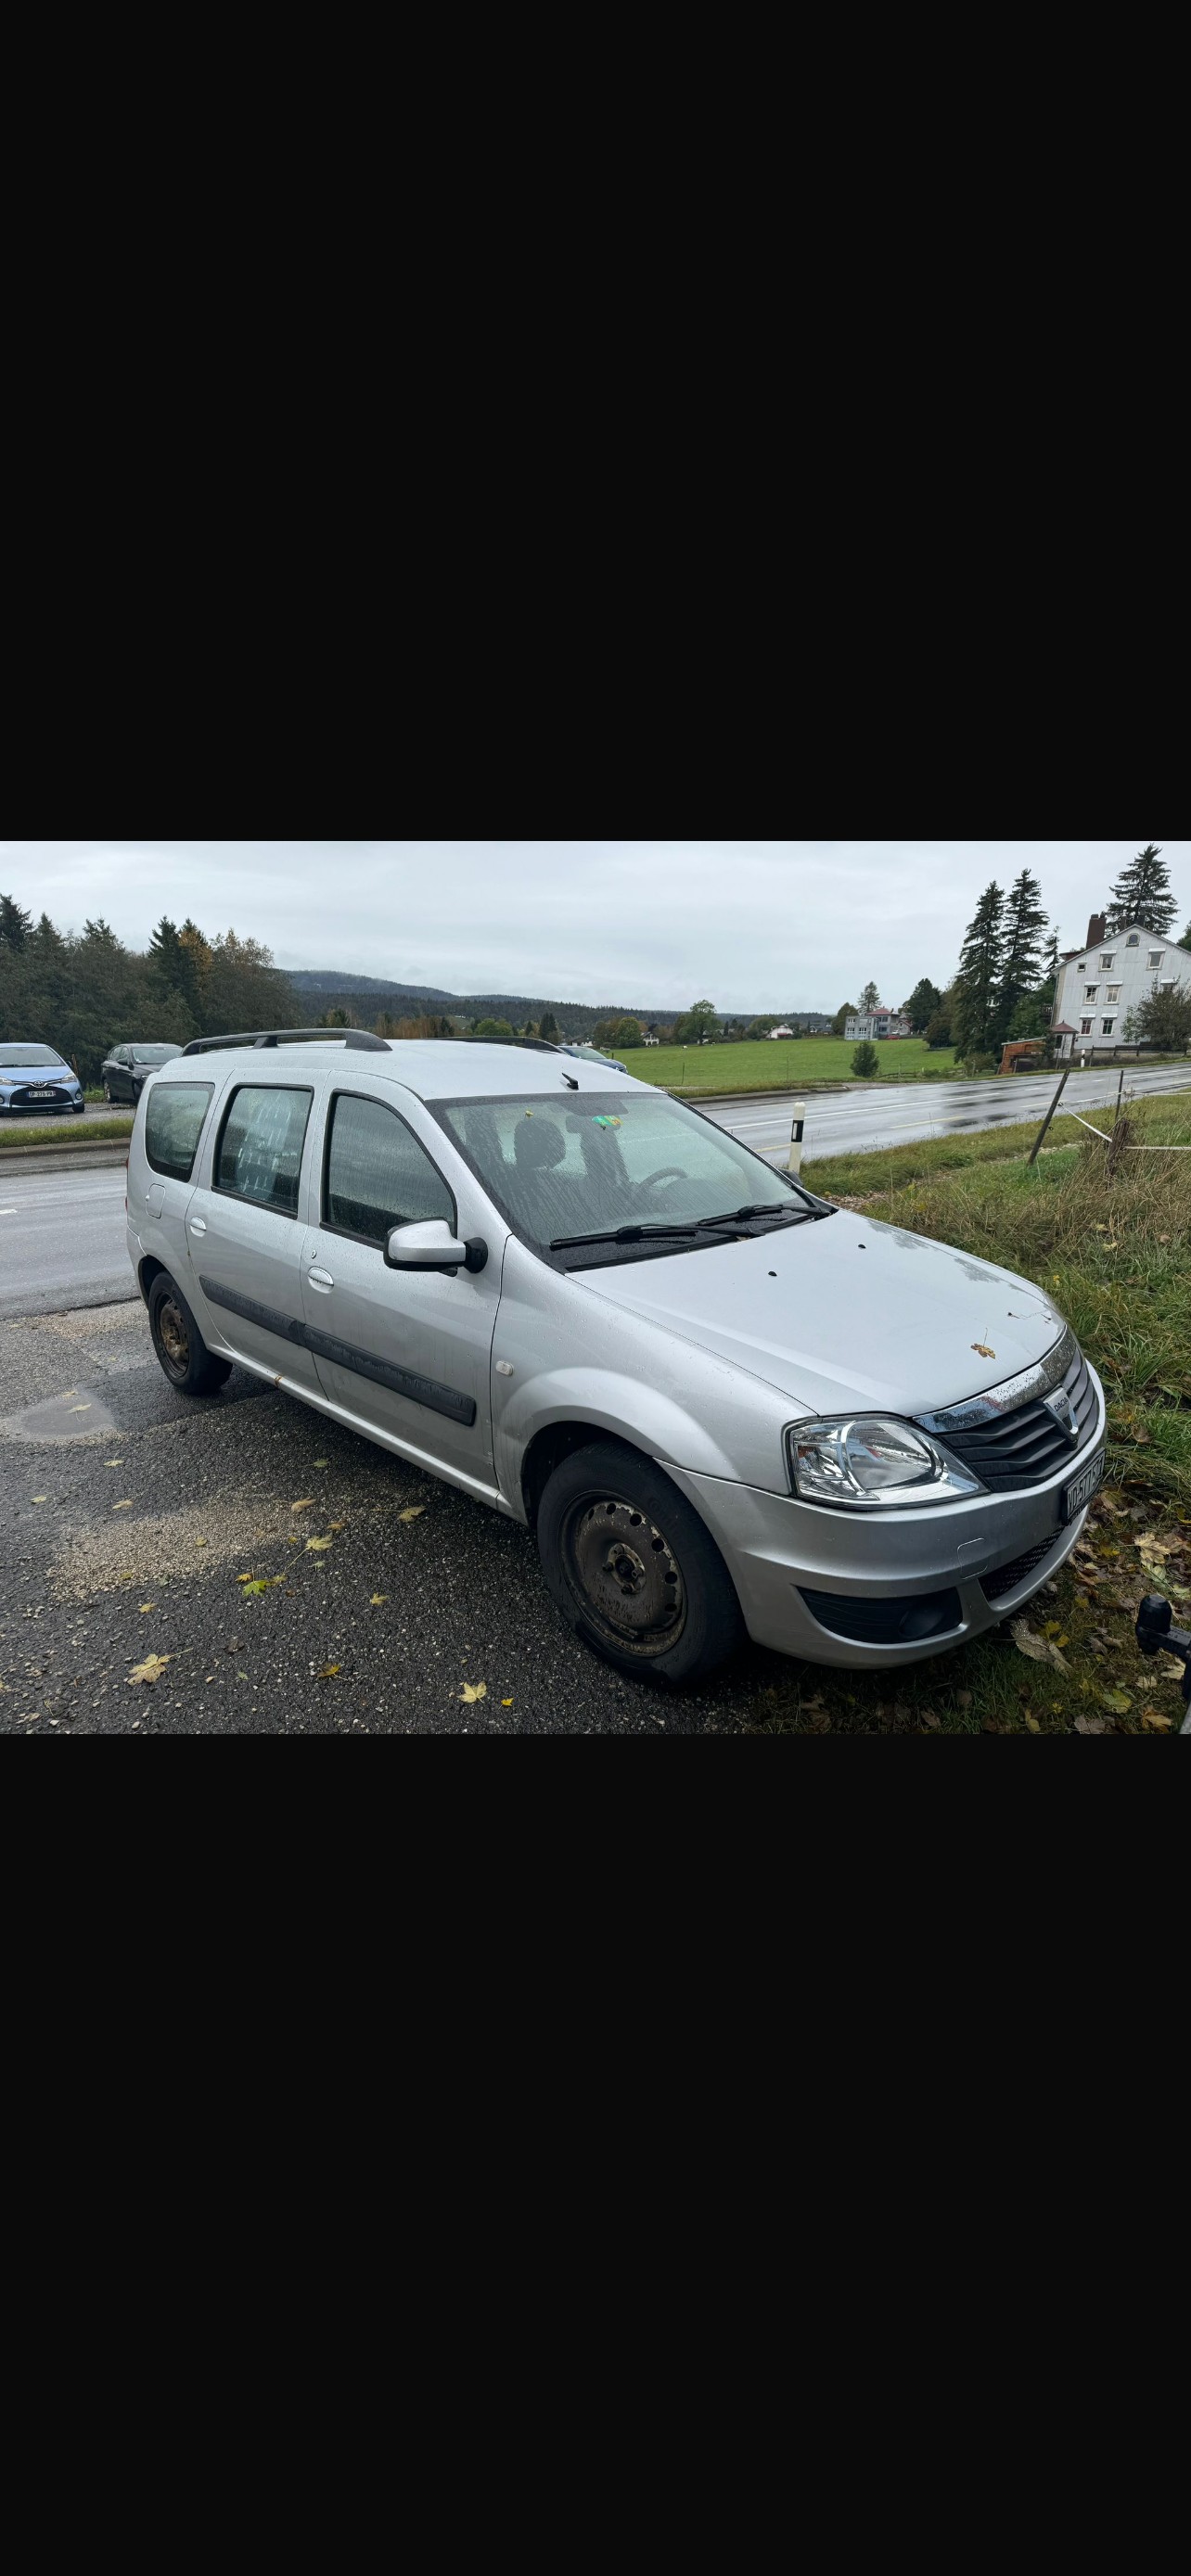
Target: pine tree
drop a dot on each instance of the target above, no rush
(1025, 922)
(1142, 894)
(978, 983)
(15, 925)
(923, 1003)
(870, 999)
(1185, 941)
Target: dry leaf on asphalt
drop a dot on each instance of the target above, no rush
(262, 1582)
(1042, 1650)
(412, 1513)
(306, 1504)
(116, 1507)
(321, 1462)
(113, 1462)
(315, 1546)
(473, 1691)
(151, 1670)
(327, 1672)
(506, 1703)
(378, 1600)
(42, 1498)
(147, 1605)
(80, 1408)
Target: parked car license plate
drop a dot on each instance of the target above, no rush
(1082, 1487)
(42, 1095)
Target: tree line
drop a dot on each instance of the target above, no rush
(85, 991)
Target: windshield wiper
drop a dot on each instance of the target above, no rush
(690, 1225)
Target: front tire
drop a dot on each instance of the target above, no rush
(632, 1568)
(181, 1350)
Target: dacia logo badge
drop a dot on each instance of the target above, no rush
(1060, 1405)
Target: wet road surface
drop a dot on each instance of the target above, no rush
(849, 1122)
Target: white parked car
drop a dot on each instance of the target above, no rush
(722, 1404)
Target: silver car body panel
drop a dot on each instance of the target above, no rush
(701, 1359)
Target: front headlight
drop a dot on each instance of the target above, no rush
(870, 1461)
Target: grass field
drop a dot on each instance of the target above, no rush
(1115, 1256)
(64, 1131)
(769, 1064)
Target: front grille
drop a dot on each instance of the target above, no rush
(886, 1623)
(1006, 1578)
(1023, 1446)
(21, 1099)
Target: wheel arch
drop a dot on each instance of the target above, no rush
(559, 1440)
(150, 1269)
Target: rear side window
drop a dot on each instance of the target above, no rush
(260, 1150)
(173, 1124)
(377, 1174)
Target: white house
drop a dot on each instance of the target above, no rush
(1111, 975)
(781, 1031)
(881, 1023)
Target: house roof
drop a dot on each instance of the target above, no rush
(1110, 938)
(1063, 1029)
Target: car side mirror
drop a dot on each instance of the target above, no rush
(430, 1245)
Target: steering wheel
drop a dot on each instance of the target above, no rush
(667, 1172)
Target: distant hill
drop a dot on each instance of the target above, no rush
(375, 992)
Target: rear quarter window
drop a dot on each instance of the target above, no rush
(173, 1125)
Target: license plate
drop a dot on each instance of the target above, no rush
(1082, 1487)
(42, 1095)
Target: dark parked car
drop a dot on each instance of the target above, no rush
(35, 1077)
(127, 1069)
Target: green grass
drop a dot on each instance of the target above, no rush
(1115, 1257)
(763, 1064)
(64, 1131)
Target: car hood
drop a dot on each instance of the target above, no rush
(842, 1312)
(34, 1072)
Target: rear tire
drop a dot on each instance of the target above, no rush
(181, 1350)
(633, 1569)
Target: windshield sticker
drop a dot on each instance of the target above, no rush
(606, 1122)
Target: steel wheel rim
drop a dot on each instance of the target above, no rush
(175, 1340)
(621, 1568)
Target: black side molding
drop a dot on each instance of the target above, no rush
(289, 1328)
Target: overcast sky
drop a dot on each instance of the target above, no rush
(751, 925)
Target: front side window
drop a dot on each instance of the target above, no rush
(377, 1175)
(605, 1161)
(260, 1150)
(173, 1124)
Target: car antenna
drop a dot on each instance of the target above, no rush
(572, 1079)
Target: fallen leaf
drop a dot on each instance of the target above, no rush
(125, 1506)
(325, 1673)
(1090, 1725)
(44, 1498)
(261, 1582)
(984, 1350)
(151, 1670)
(1154, 1717)
(1031, 1722)
(113, 1462)
(412, 1513)
(506, 1703)
(315, 1546)
(147, 1605)
(80, 1408)
(378, 1600)
(1120, 1700)
(1042, 1650)
(473, 1691)
(322, 1462)
(306, 1505)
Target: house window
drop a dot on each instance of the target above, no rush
(1107, 964)
(1168, 987)
(1113, 994)
(1107, 1027)
(1082, 967)
(1133, 941)
(1155, 959)
(1085, 1028)
(1090, 992)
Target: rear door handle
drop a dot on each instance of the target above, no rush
(320, 1278)
(198, 1225)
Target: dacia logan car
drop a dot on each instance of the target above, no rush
(722, 1404)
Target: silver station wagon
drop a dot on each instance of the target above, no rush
(722, 1404)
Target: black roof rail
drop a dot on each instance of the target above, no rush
(361, 1039)
(541, 1046)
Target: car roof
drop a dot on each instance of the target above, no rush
(432, 1068)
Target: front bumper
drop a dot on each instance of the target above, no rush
(777, 1547)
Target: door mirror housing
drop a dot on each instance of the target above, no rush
(429, 1245)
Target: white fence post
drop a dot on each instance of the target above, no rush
(795, 1162)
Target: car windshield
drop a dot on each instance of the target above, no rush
(154, 1054)
(22, 1058)
(613, 1162)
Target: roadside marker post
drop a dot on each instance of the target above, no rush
(795, 1161)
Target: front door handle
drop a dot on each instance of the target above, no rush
(320, 1279)
(198, 1225)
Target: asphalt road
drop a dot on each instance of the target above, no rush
(847, 1122)
(127, 1515)
(62, 1235)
